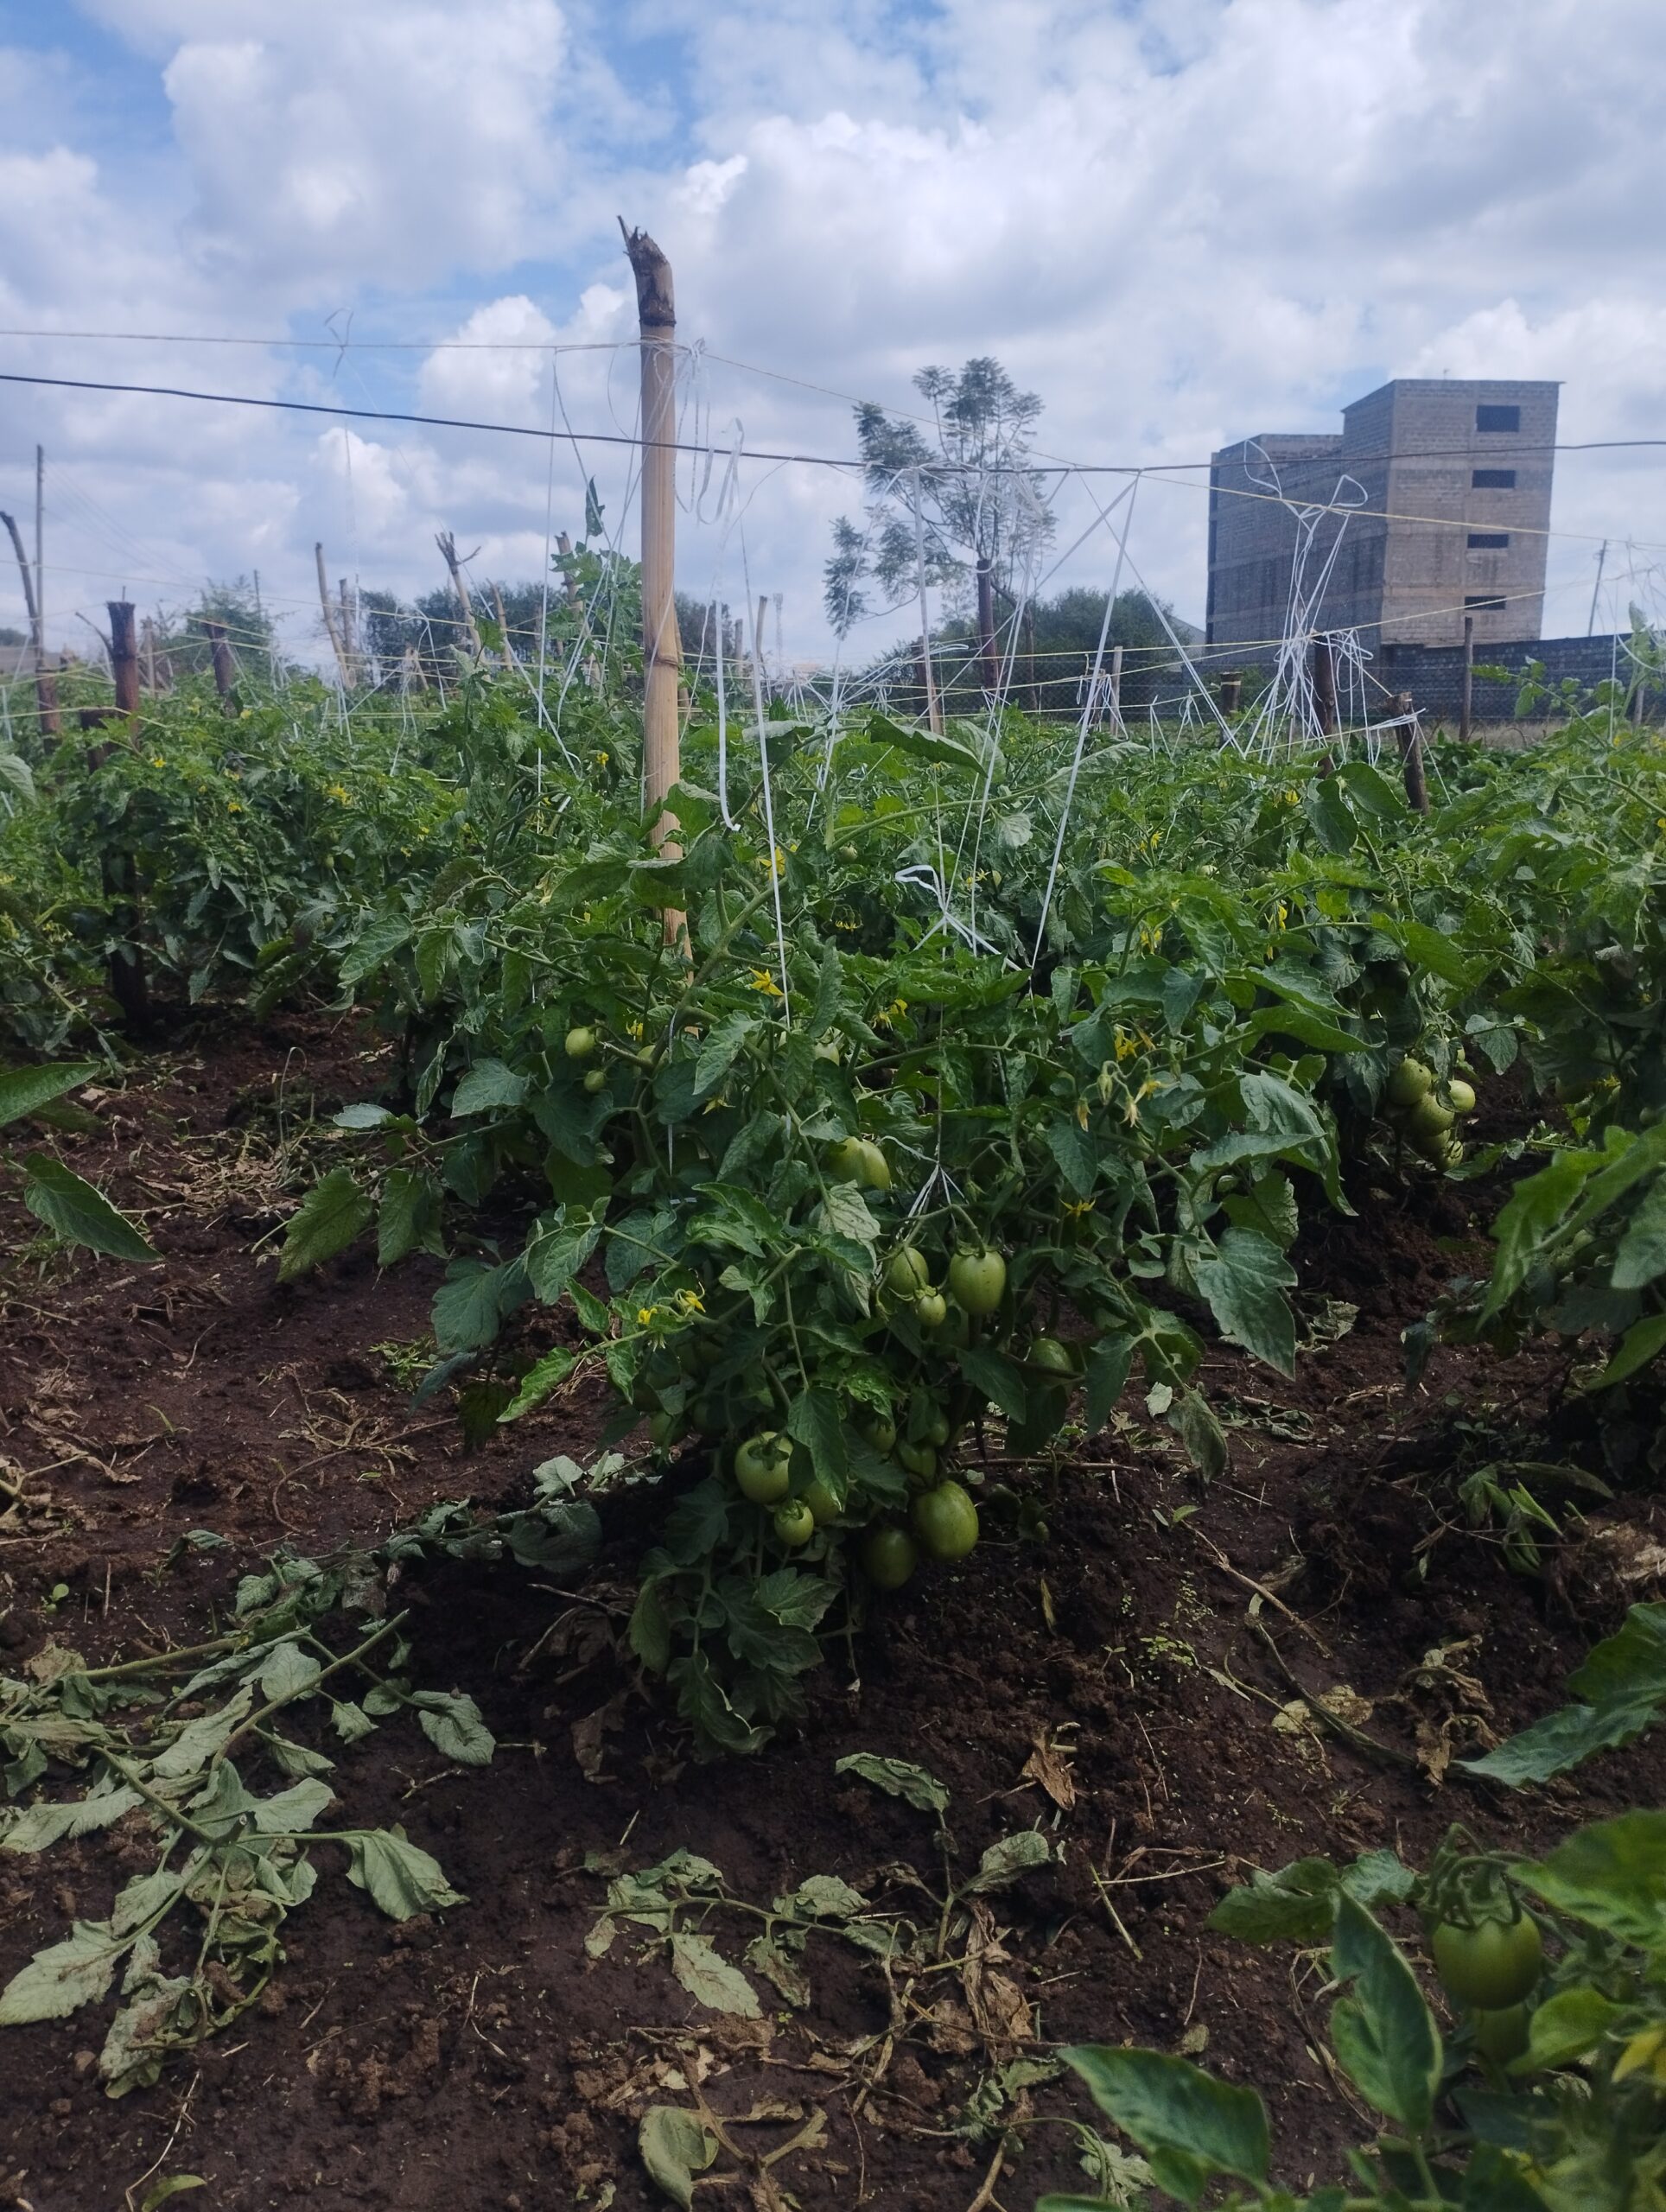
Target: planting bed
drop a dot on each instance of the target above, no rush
(1107, 1686)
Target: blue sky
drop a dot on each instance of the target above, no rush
(1179, 221)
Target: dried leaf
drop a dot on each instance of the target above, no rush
(1048, 1768)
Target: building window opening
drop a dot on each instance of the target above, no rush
(1493, 480)
(1488, 541)
(1493, 418)
(1483, 602)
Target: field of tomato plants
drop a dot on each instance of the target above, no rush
(947, 1496)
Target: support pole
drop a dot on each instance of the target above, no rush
(128, 984)
(46, 688)
(448, 545)
(1411, 753)
(124, 656)
(656, 307)
(221, 652)
(1115, 683)
(1325, 686)
(933, 711)
(1466, 720)
(330, 629)
(987, 670)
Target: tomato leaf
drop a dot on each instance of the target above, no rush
(675, 2145)
(24, 1089)
(898, 1779)
(76, 1214)
(332, 1213)
(1190, 2126)
(1244, 1279)
(1384, 2034)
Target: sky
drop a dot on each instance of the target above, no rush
(1178, 222)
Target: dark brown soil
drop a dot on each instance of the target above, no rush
(483, 2061)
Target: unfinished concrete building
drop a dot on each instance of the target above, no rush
(1449, 480)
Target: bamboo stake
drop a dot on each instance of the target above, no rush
(333, 634)
(503, 625)
(656, 305)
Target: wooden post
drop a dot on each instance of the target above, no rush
(933, 711)
(128, 983)
(46, 688)
(124, 656)
(1325, 686)
(988, 671)
(330, 629)
(1231, 693)
(1411, 753)
(656, 309)
(1116, 683)
(1468, 715)
(221, 652)
(503, 625)
(448, 545)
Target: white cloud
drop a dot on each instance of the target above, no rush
(353, 143)
(1177, 222)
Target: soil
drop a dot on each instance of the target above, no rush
(481, 2058)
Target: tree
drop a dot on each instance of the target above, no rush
(179, 639)
(960, 504)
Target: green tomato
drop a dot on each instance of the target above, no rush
(1503, 2034)
(1491, 1967)
(761, 1467)
(664, 1428)
(1428, 1119)
(824, 1506)
(1411, 1081)
(978, 1279)
(1460, 1096)
(919, 1458)
(596, 1079)
(907, 1272)
(1051, 1356)
(932, 1310)
(946, 1521)
(580, 1043)
(795, 1522)
(826, 1048)
(881, 1435)
(875, 1173)
(889, 1557)
(844, 1162)
(937, 1430)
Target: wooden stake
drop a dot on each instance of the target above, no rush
(1411, 753)
(448, 545)
(124, 656)
(128, 984)
(221, 652)
(45, 689)
(503, 625)
(933, 711)
(331, 630)
(988, 670)
(1116, 683)
(655, 308)
(1325, 686)
(1468, 715)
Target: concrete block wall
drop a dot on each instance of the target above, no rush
(1435, 675)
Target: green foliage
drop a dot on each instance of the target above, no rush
(1572, 2123)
